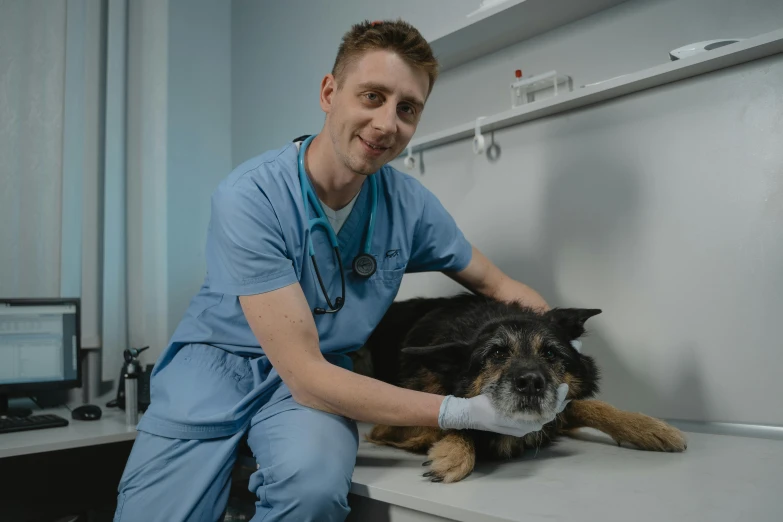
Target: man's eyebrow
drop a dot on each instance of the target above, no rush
(382, 88)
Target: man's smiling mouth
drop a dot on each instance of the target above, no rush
(373, 146)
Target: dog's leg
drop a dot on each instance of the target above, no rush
(416, 439)
(641, 430)
(452, 458)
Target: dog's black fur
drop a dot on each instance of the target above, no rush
(467, 344)
(456, 321)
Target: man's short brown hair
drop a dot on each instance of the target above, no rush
(392, 35)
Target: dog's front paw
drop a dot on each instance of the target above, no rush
(451, 459)
(651, 434)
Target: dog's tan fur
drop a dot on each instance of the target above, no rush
(641, 430)
(416, 439)
(452, 458)
(452, 454)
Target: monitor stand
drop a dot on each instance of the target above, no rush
(5, 411)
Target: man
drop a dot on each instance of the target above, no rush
(261, 352)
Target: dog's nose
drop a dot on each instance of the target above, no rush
(530, 383)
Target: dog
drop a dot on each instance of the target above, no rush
(469, 344)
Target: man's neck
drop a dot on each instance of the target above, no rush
(334, 185)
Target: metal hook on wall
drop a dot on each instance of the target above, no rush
(410, 161)
(493, 151)
(478, 139)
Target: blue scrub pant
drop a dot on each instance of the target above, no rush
(306, 459)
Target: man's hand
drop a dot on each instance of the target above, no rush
(477, 413)
(481, 276)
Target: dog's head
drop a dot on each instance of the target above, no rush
(518, 360)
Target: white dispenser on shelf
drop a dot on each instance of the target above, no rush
(521, 88)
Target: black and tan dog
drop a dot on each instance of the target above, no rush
(465, 345)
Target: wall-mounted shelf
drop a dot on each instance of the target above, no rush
(508, 23)
(754, 48)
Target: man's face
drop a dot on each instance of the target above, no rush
(373, 115)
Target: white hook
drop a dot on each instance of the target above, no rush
(410, 161)
(478, 139)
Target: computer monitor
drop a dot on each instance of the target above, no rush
(40, 348)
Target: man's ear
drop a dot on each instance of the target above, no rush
(435, 349)
(572, 320)
(328, 87)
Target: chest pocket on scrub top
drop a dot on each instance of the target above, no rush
(388, 274)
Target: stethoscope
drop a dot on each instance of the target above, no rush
(364, 264)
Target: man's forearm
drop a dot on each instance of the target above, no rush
(483, 277)
(336, 390)
(512, 290)
(282, 322)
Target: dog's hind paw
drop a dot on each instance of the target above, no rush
(450, 459)
(650, 434)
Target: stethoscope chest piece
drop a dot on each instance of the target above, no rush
(364, 265)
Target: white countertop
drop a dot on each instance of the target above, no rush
(718, 478)
(109, 428)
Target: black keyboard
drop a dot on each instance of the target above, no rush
(31, 422)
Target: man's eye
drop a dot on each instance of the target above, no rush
(371, 96)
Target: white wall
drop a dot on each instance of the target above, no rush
(199, 137)
(147, 120)
(179, 122)
(281, 50)
(663, 207)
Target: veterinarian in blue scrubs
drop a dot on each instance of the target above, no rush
(252, 357)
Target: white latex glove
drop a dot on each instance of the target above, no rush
(477, 413)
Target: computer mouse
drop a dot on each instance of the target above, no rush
(86, 412)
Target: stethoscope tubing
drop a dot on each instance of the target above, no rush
(309, 197)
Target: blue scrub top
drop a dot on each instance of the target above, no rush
(257, 242)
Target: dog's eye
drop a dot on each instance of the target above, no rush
(497, 353)
(549, 353)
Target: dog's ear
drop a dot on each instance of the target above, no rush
(572, 320)
(435, 349)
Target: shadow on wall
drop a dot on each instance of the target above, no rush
(590, 228)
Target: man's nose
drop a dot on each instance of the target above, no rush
(385, 119)
(530, 383)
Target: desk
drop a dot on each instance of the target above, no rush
(719, 478)
(52, 473)
(109, 428)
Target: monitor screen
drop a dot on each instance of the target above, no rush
(39, 343)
